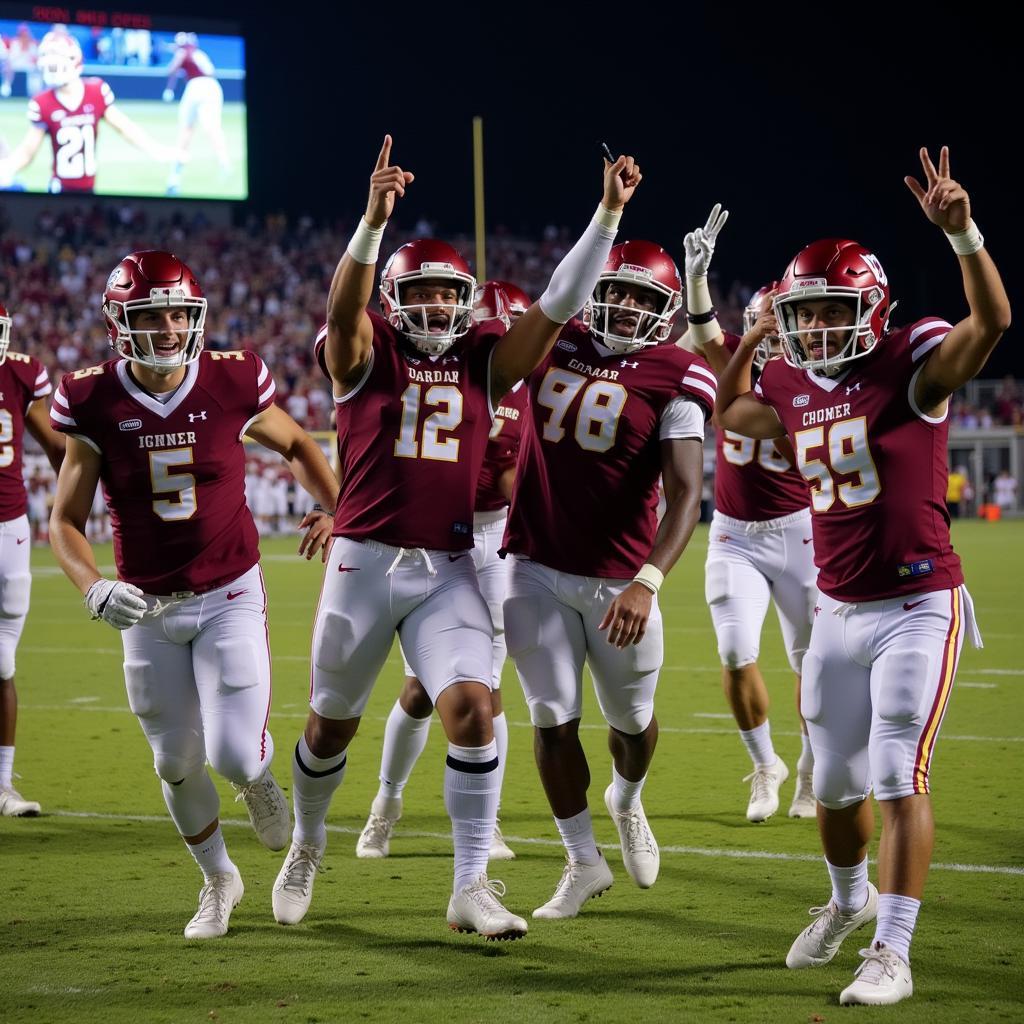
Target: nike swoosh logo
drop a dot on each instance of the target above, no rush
(907, 606)
(348, 568)
(237, 593)
(808, 540)
(455, 558)
(21, 540)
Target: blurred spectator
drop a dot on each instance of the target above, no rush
(1004, 491)
(957, 491)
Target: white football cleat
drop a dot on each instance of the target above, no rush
(882, 979)
(476, 908)
(375, 839)
(293, 889)
(579, 883)
(819, 942)
(14, 805)
(268, 810)
(640, 853)
(804, 805)
(764, 790)
(220, 895)
(500, 850)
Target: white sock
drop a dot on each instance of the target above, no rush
(314, 780)
(193, 802)
(471, 800)
(849, 886)
(212, 855)
(404, 740)
(897, 916)
(6, 766)
(501, 739)
(758, 742)
(625, 794)
(805, 765)
(577, 835)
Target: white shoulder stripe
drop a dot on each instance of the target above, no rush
(263, 373)
(926, 346)
(703, 371)
(928, 325)
(42, 390)
(42, 376)
(61, 418)
(264, 395)
(700, 385)
(321, 335)
(60, 398)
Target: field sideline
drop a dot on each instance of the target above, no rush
(96, 892)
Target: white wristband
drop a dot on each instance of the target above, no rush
(607, 218)
(365, 244)
(650, 576)
(698, 295)
(966, 242)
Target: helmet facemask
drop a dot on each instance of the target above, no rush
(138, 345)
(5, 337)
(769, 347)
(652, 326)
(413, 320)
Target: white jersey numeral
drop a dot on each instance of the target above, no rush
(165, 482)
(447, 419)
(597, 421)
(741, 451)
(76, 151)
(6, 436)
(848, 455)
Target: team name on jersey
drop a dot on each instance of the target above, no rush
(167, 440)
(507, 413)
(77, 120)
(834, 412)
(433, 376)
(592, 371)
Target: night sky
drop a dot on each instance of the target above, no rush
(802, 124)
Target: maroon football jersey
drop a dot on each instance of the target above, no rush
(502, 448)
(173, 475)
(754, 481)
(876, 468)
(411, 439)
(22, 380)
(72, 133)
(586, 494)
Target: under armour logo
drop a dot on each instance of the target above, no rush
(626, 362)
(193, 416)
(850, 390)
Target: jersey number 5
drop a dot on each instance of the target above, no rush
(183, 485)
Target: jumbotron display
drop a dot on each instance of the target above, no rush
(119, 104)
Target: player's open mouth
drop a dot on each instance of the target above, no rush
(437, 323)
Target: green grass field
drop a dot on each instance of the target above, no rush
(96, 892)
(125, 170)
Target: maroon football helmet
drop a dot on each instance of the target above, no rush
(635, 263)
(152, 279)
(770, 345)
(427, 259)
(500, 300)
(5, 332)
(837, 269)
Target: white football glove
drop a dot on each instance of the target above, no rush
(700, 244)
(119, 604)
(168, 95)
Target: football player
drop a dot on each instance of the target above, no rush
(408, 725)
(161, 427)
(69, 110)
(416, 392)
(865, 406)
(612, 409)
(23, 388)
(759, 545)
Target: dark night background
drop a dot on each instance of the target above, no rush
(802, 121)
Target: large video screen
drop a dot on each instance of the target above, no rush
(122, 104)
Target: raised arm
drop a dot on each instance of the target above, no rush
(736, 408)
(703, 334)
(965, 350)
(531, 337)
(349, 329)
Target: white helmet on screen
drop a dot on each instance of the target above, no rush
(59, 59)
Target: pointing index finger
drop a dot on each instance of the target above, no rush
(385, 154)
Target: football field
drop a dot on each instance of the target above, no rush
(95, 893)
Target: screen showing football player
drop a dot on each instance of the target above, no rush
(416, 392)
(69, 111)
(24, 385)
(613, 408)
(202, 104)
(865, 406)
(760, 546)
(160, 426)
(408, 725)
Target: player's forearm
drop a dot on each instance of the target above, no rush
(990, 309)
(681, 516)
(313, 473)
(73, 552)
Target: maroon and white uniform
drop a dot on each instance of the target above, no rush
(412, 433)
(202, 97)
(759, 548)
(72, 133)
(583, 518)
(23, 380)
(890, 622)
(173, 475)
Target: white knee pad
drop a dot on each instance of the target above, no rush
(837, 784)
(717, 580)
(181, 754)
(633, 722)
(14, 595)
(905, 678)
(240, 751)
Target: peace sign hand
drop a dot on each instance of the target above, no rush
(700, 244)
(386, 182)
(945, 202)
